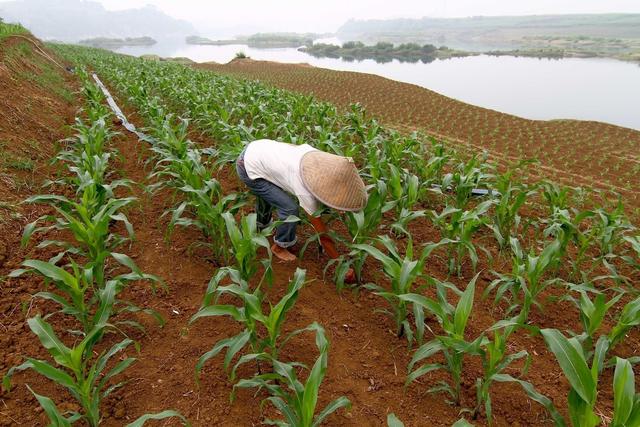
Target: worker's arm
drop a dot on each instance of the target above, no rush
(327, 242)
(329, 246)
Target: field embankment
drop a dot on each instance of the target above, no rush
(577, 153)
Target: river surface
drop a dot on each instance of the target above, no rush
(605, 90)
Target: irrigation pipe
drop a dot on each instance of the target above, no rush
(118, 112)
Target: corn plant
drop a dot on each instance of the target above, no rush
(556, 196)
(452, 344)
(495, 360)
(362, 226)
(295, 400)
(459, 227)
(626, 402)
(582, 378)
(74, 367)
(466, 177)
(511, 197)
(88, 142)
(629, 318)
(431, 173)
(402, 271)
(611, 228)
(78, 293)
(592, 313)
(76, 370)
(246, 240)
(90, 231)
(261, 330)
(527, 280)
(404, 188)
(634, 244)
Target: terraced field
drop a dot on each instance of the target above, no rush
(135, 281)
(575, 152)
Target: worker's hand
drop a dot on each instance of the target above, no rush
(350, 277)
(327, 243)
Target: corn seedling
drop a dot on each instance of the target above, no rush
(295, 400)
(495, 360)
(466, 177)
(261, 330)
(582, 378)
(362, 226)
(75, 370)
(592, 313)
(459, 227)
(452, 344)
(626, 403)
(511, 197)
(402, 271)
(78, 294)
(526, 281)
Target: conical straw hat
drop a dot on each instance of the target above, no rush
(333, 180)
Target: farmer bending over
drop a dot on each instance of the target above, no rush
(274, 171)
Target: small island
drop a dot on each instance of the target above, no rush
(114, 43)
(261, 40)
(384, 52)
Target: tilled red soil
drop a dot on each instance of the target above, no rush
(367, 362)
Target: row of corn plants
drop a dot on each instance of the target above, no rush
(566, 244)
(178, 165)
(85, 278)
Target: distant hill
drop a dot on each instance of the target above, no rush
(491, 32)
(73, 20)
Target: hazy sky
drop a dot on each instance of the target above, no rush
(328, 15)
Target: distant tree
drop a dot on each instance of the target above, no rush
(409, 46)
(384, 46)
(352, 45)
(241, 55)
(429, 48)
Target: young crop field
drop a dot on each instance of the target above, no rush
(574, 152)
(140, 289)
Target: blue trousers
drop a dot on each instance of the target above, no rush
(269, 197)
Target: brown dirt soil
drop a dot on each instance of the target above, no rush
(574, 152)
(36, 106)
(367, 362)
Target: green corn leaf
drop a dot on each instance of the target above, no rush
(52, 272)
(463, 309)
(341, 402)
(218, 310)
(55, 417)
(580, 413)
(159, 416)
(573, 364)
(624, 391)
(50, 341)
(286, 410)
(236, 342)
(393, 421)
(45, 369)
(534, 395)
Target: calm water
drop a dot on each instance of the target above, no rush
(586, 89)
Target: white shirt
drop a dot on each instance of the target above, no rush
(279, 163)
